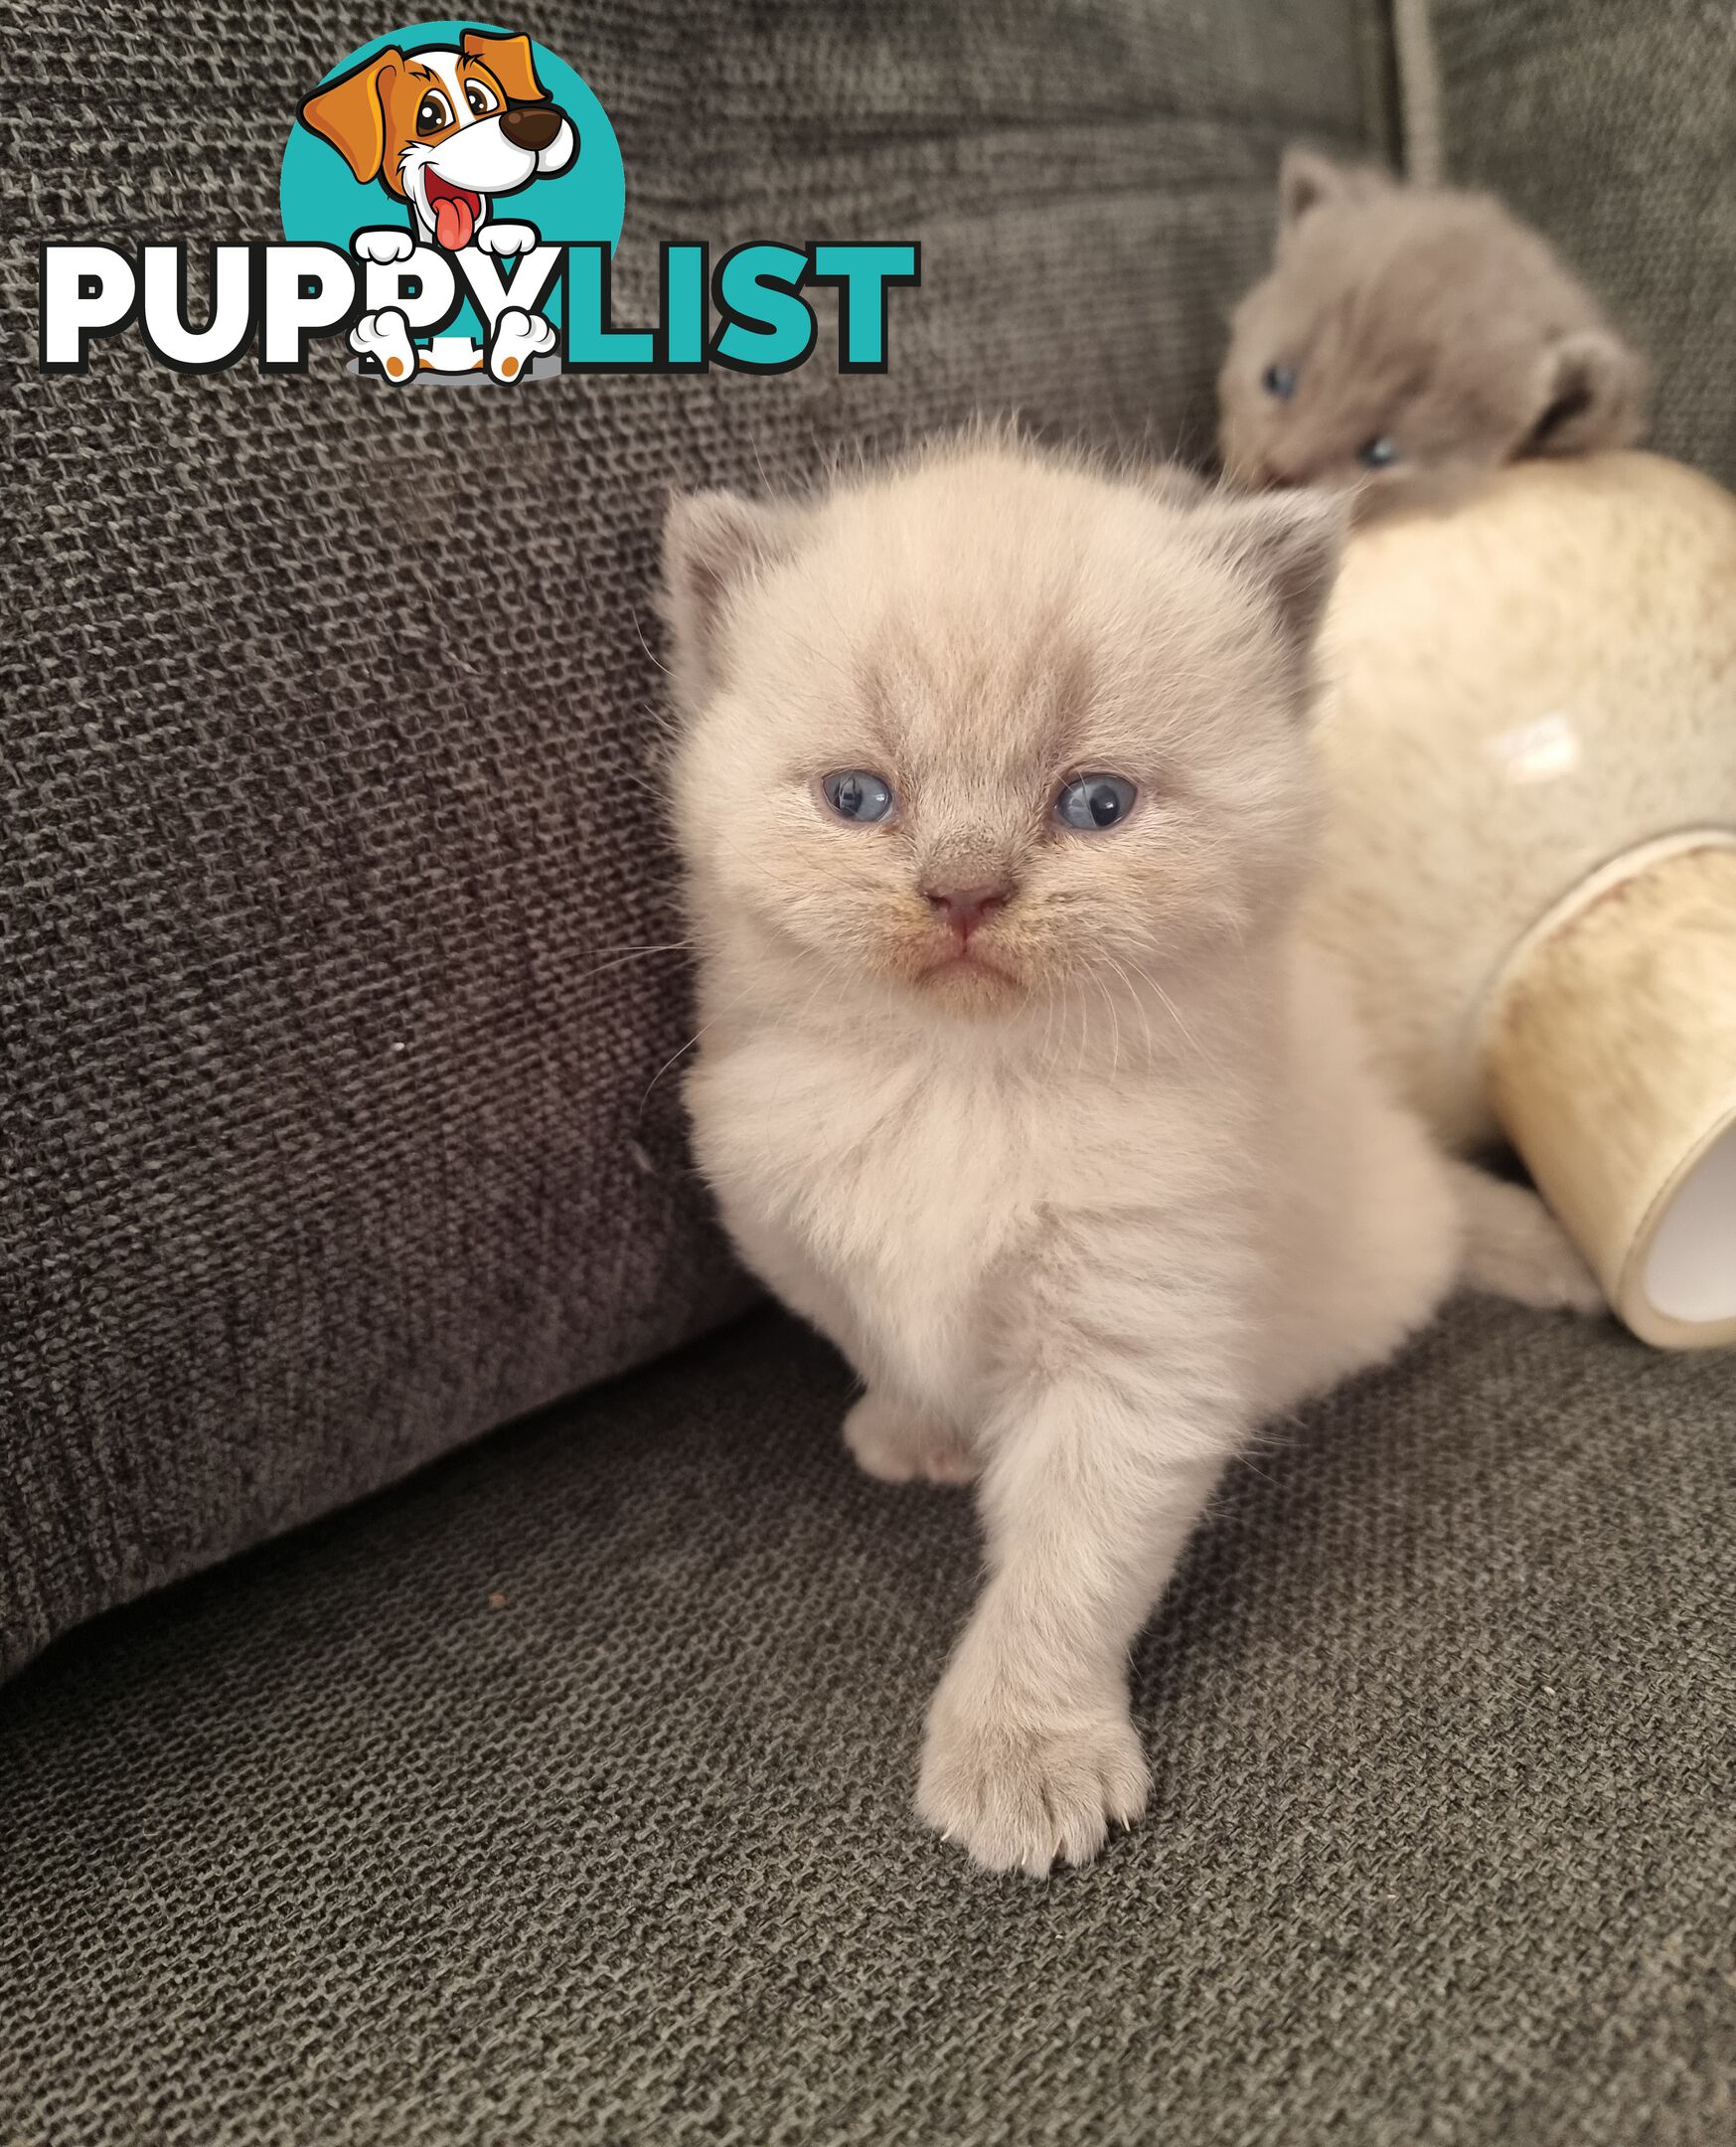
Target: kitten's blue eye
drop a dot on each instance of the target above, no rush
(1378, 453)
(1279, 381)
(1096, 801)
(856, 794)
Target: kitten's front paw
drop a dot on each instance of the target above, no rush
(900, 1446)
(1023, 1792)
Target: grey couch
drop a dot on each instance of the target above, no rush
(562, 1793)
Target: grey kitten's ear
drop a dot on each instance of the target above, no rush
(1287, 549)
(1590, 393)
(1307, 179)
(713, 543)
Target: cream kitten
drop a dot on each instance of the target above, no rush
(994, 795)
(1410, 339)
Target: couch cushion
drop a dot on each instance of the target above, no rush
(563, 1795)
(1613, 128)
(337, 1010)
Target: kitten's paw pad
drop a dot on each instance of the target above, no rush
(1520, 1251)
(899, 1447)
(1023, 1795)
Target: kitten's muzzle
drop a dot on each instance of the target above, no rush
(965, 909)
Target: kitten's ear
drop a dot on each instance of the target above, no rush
(714, 542)
(1590, 393)
(1285, 548)
(1307, 179)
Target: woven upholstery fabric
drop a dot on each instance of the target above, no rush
(563, 1796)
(331, 1073)
(1613, 128)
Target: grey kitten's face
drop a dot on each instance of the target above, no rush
(986, 727)
(1406, 342)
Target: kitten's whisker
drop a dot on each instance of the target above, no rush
(703, 1030)
(633, 954)
(646, 646)
(1139, 1004)
(699, 1036)
(1114, 1026)
(1175, 1014)
(1048, 1023)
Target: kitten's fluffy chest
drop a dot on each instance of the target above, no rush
(881, 1192)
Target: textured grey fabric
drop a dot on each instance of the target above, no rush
(1612, 126)
(333, 1139)
(563, 1796)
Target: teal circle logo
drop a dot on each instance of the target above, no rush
(448, 138)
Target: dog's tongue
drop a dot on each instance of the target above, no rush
(453, 221)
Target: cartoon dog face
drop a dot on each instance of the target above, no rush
(445, 129)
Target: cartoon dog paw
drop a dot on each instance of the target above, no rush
(385, 337)
(385, 246)
(517, 338)
(507, 238)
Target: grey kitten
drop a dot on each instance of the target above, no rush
(1409, 339)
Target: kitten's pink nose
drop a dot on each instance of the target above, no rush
(964, 909)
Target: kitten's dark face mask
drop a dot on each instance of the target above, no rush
(973, 904)
(980, 759)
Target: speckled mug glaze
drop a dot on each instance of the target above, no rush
(1529, 871)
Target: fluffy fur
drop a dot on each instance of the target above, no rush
(1427, 316)
(1087, 1198)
